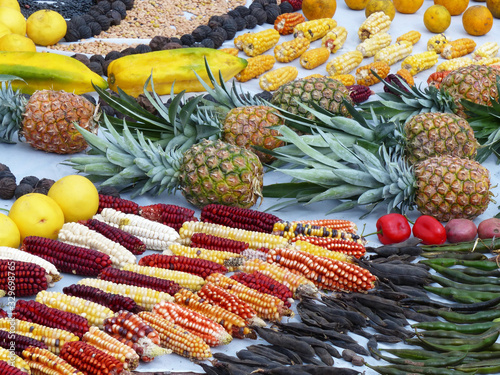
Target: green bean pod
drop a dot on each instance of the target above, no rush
(491, 288)
(415, 354)
(454, 255)
(447, 326)
(457, 275)
(485, 265)
(457, 317)
(478, 245)
(448, 360)
(488, 366)
(455, 294)
(411, 370)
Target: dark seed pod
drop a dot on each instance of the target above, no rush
(109, 190)
(77, 21)
(105, 65)
(266, 95)
(94, 9)
(104, 21)
(242, 10)
(4, 168)
(95, 27)
(96, 67)
(272, 11)
(172, 45)
(240, 23)
(234, 13)
(251, 21)
(260, 15)
(7, 187)
(255, 5)
(105, 6)
(219, 30)
(187, 40)
(158, 43)
(230, 27)
(97, 58)
(286, 7)
(115, 17)
(175, 40)
(113, 55)
(218, 39)
(72, 35)
(144, 102)
(208, 43)
(127, 51)
(119, 6)
(82, 58)
(30, 180)
(85, 32)
(129, 4)
(201, 32)
(7, 174)
(95, 13)
(142, 48)
(43, 186)
(87, 18)
(23, 189)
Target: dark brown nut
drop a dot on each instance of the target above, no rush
(23, 189)
(7, 188)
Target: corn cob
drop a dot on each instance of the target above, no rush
(216, 256)
(365, 76)
(22, 256)
(255, 240)
(338, 224)
(128, 241)
(291, 50)
(144, 297)
(315, 57)
(3, 313)
(231, 51)
(326, 273)
(256, 66)
(90, 360)
(17, 343)
(436, 78)
(168, 214)
(314, 75)
(369, 47)
(394, 53)
(54, 338)
(114, 302)
(347, 247)
(119, 204)
(212, 333)
(259, 42)
(334, 39)
(314, 29)
(44, 362)
(405, 74)
(394, 79)
(238, 41)
(359, 93)
(293, 229)
(273, 79)
(183, 279)
(198, 267)
(136, 279)
(488, 49)
(233, 324)
(80, 235)
(344, 63)
(177, 339)
(285, 22)
(420, 61)
(490, 61)
(345, 79)
(7, 369)
(113, 347)
(139, 350)
(458, 48)
(36, 312)
(412, 36)
(265, 284)
(14, 360)
(453, 64)
(22, 279)
(218, 296)
(377, 22)
(437, 43)
(318, 250)
(207, 241)
(67, 258)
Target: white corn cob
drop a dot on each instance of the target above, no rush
(22, 256)
(14, 360)
(370, 46)
(488, 49)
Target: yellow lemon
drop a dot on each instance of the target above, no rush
(37, 215)
(77, 196)
(437, 18)
(14, 4)
(46, 27)
(9, 232)
(13, 19)
(16, 43)
(4, 30)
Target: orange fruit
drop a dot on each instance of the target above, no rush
(494, 7)
(316, 9)
(46, 27)
(477, 20)
(408, 6)
(16, 43)
(13, 19)
(437, 19)
(386, 6)
(455, 7)
(356, 4)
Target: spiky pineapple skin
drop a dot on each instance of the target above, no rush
(326, 92)
(251, 126)
(435, 133)
(218, 172)
(476, 83)
(49, 118)
(449, 187)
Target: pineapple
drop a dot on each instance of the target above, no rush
(46, 120)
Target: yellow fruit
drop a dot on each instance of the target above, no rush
(77, 196)
(386, 6)
(16, 43)
(477, 20)
(37, 215)
(455, 7)
(356, 4)
(408, 6)
(9, 233)
(315, 9)
(437, 19)
(4, 30)
(46, 27)
(14, 4)
(13, 19)
(494, 7)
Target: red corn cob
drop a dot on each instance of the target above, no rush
(22, 278)
(136, 347)
(285, 22)
(359, 93)
(35, 312)
(3, 314)
(137, 279)
(241, 218)
(90, 360)
(395, 80)
(67, 258)
(128, 241)
(114, 302)
(436, 78)
(348, 247)
(219, 296)
(7, 369)
(168, 214)
(199, 267)
(17, 343)
(208, 241)
(119, 204)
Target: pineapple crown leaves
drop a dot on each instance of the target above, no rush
(11, 109)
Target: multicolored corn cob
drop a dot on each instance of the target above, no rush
(437, 42)
(44, 362)
(334, 39)
(259, 42)
(7, 369)
(314, 29)
(89, 359)
(14, 360)
(289, 230)
(348, 247)
(22, 279)
(216, 256)
(256, 66)
(338, 224)
(420, 61)
(22, 256)
(321, 251)
(207, 241)
(377, 22)
(365, 76)
(412, 36)
(436, 78)
(315, 57)
(458, 48)
(168, 214)
(291, 49)
(194, 266)
(370, 46)
(273, 79)
(344, 63)
(359, 93)
(17, 343)
(286, 22)
(119, 204)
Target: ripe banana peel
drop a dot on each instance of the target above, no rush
(129, 73)
(50, 71)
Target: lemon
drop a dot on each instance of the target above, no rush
(16, 42)
(37, 215)
(437, 19)
(14, 4)
(9, 233)
(77, 196)
(13, 19)
(46, 27)
(4, 30)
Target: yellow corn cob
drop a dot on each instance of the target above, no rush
(457, 62)
(346, 79)
(488, 49)
(320, 251)
(420, 61)
(365, 77)
(238, 41)
(44, 362)
(394, 53)
(377, 22)
(290, 50)
(315, 29)
(272, 80)
(14, 360)
(231, 51)
(374, 44)
(197, 252)
(23, 256)
(344, 63)
(412, 36)
(257, 43)
(437, 43)
(488, 61)
(313, 58)
(255, 67)
(314, 75)
(458, 48)
(405, 73)
(334, 39)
